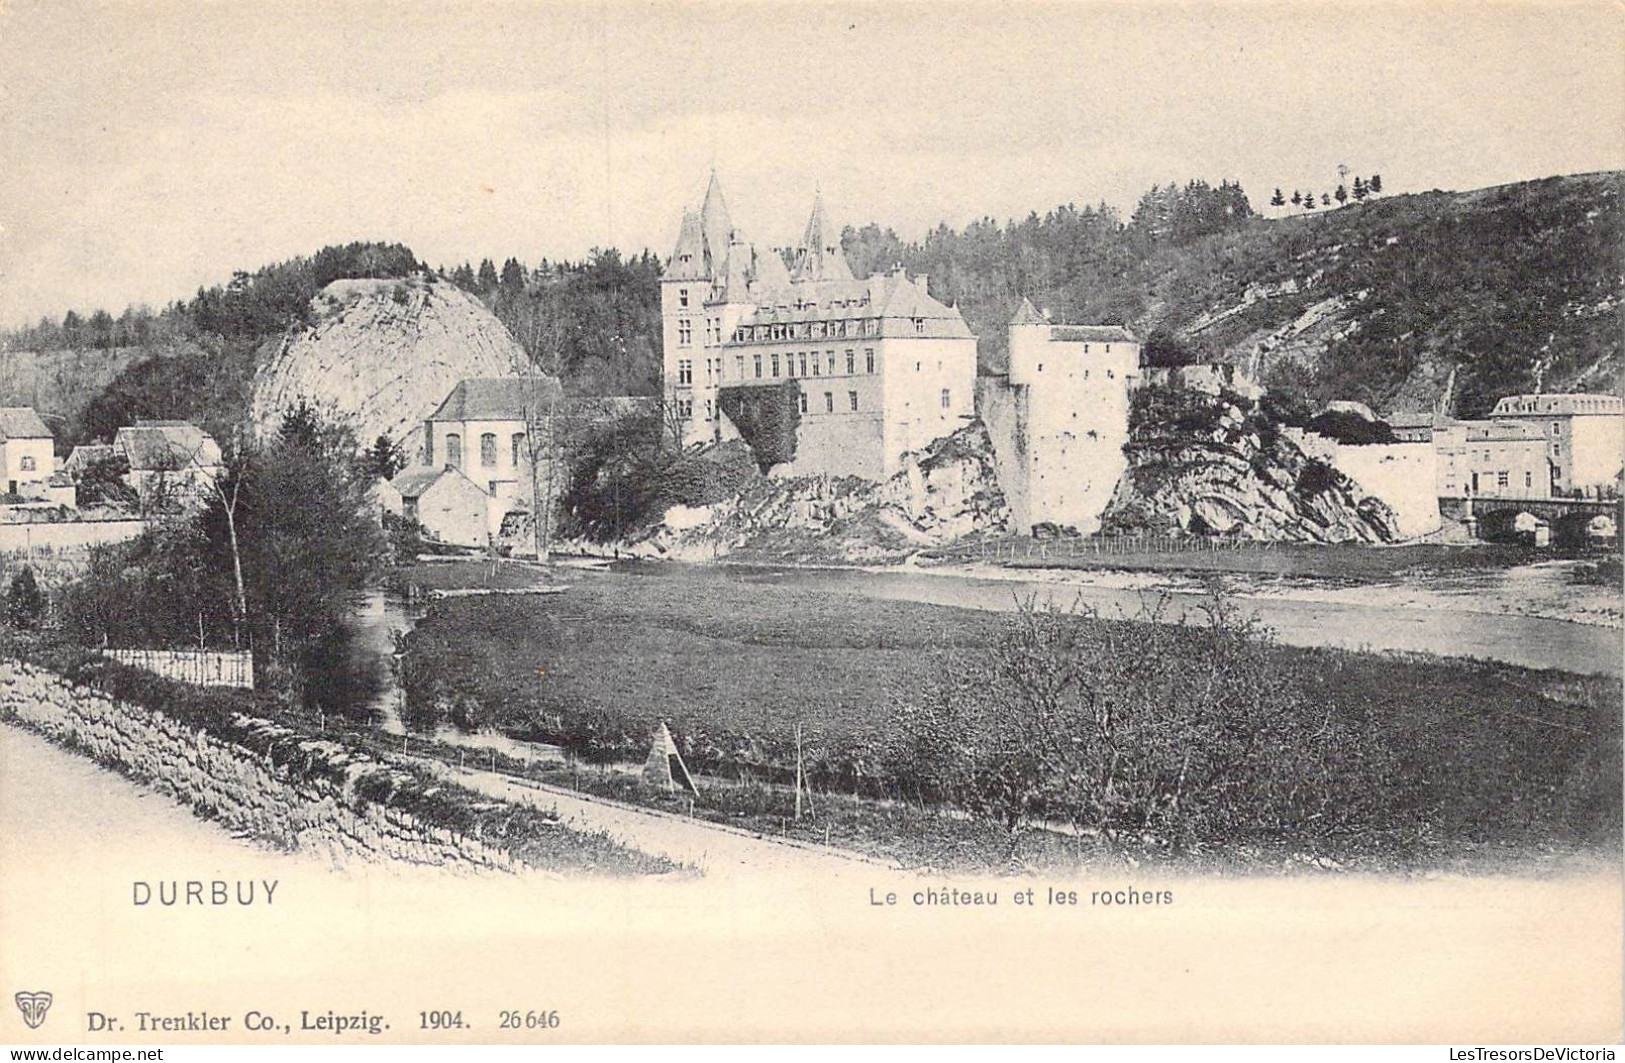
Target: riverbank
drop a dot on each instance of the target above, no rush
(1545, 590)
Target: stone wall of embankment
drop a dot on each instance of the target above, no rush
(262, 778)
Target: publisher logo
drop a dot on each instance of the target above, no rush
(33, 1006)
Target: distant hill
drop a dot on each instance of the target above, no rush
(1377, 301)
(1512, 287)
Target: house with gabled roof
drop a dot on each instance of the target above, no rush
(27, 452)
(450, 507)
(170, 461)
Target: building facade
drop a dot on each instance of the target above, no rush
(1584, 434)
(1058, 419)
(450, 507)
(171, 462)
(1491, 459)
(879, 367)
(27, 452)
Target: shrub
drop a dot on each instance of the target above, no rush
(25, 602)
(767, 419)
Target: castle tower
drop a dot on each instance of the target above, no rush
(1029, 337)
(819, 257)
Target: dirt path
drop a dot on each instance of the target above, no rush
(713, 848)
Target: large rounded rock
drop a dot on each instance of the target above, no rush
(384, 354)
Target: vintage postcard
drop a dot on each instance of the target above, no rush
(794, 522)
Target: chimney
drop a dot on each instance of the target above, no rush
(924, 281)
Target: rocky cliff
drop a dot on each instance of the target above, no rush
(1219, 464)
(944, 492)
(384, 353)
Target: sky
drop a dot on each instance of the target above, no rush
(147, 148)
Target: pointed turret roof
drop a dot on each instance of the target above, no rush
(820, 257)
(771, 273)
(1027, 314)
(688, 257)
(716, 227)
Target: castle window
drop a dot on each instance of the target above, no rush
(1086, 348)
(829, 360)
(852, 397)
(818, 367)
(758, 367)
(685, 370)
(803, 363)
(790, 365)
(947, 399)
(682, 297)
(917, 366)
(1528, 478)
(919, 326)
(685, 332)
(1501, 478)
(1108, 348)
(829, 402)
(518, 447)
(803, 402)
(488, 450)
(869, 358)
(454, 450)
(775, 366)
(27, 464)
(710, 409)
(739, 365)
(685, 409)
(851, 362)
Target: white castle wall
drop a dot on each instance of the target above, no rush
(66, 535)
(1402, 475)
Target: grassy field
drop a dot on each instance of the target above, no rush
(1480, 758)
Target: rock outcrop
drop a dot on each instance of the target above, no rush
(1208, 464)
(944, 492)
(384, 354)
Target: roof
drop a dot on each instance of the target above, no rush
(1569, 404)
(1027, 314)
(819, 257)
(688, 257)
(1493, 431)
(504, 398)
(85, 455)
(416, 481)
(21, 422)
(891, 297)
(154, 446)
(1091, 334)
(715, 226)
(1419, 419)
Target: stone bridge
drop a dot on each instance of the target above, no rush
(1568, 517)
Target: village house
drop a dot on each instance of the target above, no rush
(482, 430)
(27, 452)
(171, 462)
(1584, 434)
(878, 366)
(451, 508)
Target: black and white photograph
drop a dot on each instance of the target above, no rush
(802, 522)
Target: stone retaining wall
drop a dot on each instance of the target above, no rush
(268, 781)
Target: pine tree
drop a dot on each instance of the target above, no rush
(1297, 197)
(1376, 184)
(1309, 201)
(513, 276)
(463, 277)
(488, 275)
(1278, 200)
(1341, 195)
(1360, 191)
(1325, 200)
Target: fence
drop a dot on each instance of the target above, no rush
(1101, 546)
(204, 668)
(33, 537)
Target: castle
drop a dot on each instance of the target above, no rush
(878, 367)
